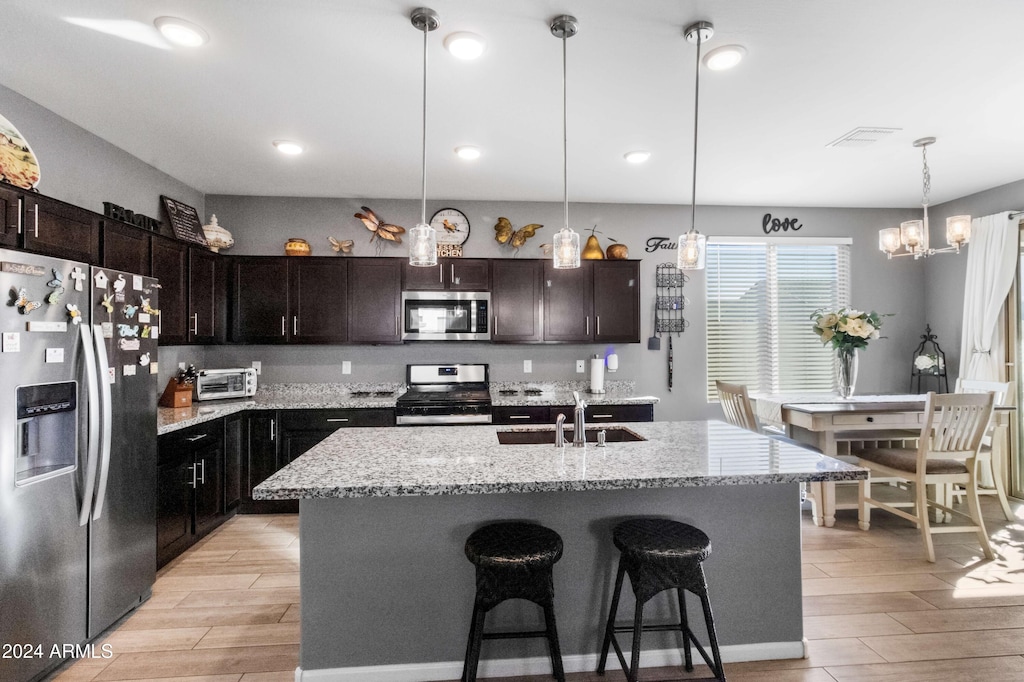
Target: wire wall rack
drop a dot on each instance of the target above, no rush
(669, 301)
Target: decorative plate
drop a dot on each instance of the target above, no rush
(18, 164)
(451, 225)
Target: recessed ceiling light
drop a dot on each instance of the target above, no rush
(725, 57)
(638, 156)
(468, 152)
(465, 45)
(181, 32)
(288, 147)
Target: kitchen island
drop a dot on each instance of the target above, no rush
(387, 591)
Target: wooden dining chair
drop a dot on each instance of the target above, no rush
(947, 451)
(736, 406)
(994, 444)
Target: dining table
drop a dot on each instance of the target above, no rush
(824, 420)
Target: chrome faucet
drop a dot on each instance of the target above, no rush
(560, 431)
(579, 422)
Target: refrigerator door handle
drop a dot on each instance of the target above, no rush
(93, 443)
(104, 382)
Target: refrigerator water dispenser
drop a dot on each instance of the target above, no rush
(47, 431)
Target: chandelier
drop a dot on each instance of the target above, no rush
(912, 235)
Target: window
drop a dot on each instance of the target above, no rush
(760, 295)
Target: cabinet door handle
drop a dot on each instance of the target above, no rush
(295, 325)
(202, 476)
(193, 439)
(588, 326)
(193, 468)
(396, 326)
(283, 327)
(519, 416)
(453, 280)
(36, 207)
(340, 419)
(494, 331)
(601, 416)
(440, 274)
(21, 206)
(598, 318)
(195, 323)
(271, 430)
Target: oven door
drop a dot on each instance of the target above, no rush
(445, 316)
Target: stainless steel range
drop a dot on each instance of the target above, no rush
(445, 394)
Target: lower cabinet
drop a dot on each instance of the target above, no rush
(595, 414)
(190, 487)
(303, 429)
(260, 461)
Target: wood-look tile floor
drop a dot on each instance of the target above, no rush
(227, 610)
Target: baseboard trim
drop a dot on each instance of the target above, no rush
(540, 665)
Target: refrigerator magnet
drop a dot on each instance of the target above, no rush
(21, 300)
(128, 344)
(78, 275)
(128, 370)
(100, 278)
(112, 375)
(154, 368)
(108, 303)
(136, 282)
(145, 331)
(128, 330)
(74, 314)
(144, 317)
(129, 311)
(107, 328)
(144, 359)
(11, 342)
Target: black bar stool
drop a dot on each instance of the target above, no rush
(658, 555)
(513, 561)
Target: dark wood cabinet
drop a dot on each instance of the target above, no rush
(303, 429)
(11, 214)
(262, 461)
(530, 414)
(60, 230)
(617, 301)
(204, 295)
(259, 299)
(516, 301)
(595, 414)
(375, 299)
(190, 494)
(236, 448)
(169, 264)
(125, 247)
(318, 300)
(568, 303)
(453, 274)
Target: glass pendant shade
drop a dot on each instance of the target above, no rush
(914, 235)
(566, 252)
(889, 240)
(958, 230)
(691, 250)
(423, 246)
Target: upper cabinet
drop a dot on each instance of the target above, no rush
(599, 302)
(453, 274)
(375, 300)
(515, 301)
(10, 210)
(278, 299)
(125, 247)
(192, 292)
(169, 264)
(53, 228)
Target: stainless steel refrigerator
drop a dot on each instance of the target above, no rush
(78, 392)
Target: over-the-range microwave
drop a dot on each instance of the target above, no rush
(446, 315)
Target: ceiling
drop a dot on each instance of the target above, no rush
(344, 77)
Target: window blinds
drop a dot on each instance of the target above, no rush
(760, 296)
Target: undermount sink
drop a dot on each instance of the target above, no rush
(612, 434)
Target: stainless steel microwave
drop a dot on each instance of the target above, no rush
(446, 316)
(225, 383)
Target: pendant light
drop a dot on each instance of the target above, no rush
(566, 252)
(423, 237)
(692, 245)
(912, 235)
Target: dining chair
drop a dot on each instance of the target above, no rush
(736, 406)
(994, 444)
(947, 451)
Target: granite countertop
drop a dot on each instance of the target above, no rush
(384, 395)
(453, 460)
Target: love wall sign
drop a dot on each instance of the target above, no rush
(769, 224)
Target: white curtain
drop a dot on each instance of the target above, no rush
(991, 265)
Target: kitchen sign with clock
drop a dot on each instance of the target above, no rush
(452, 226)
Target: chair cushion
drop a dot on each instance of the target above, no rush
(654, 539)
(905, 459)
(514, 544)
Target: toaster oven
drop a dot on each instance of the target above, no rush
(239, 382)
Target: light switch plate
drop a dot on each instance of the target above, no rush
(527, 366)
(346, 366)
(581, 366)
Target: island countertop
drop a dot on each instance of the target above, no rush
(455, 460)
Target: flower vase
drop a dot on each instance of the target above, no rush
(846, 372)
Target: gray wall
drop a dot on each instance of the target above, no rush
(261, 225)
(945, 275)
(82, 169)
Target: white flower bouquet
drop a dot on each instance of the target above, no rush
(929, 364)
(847, 329)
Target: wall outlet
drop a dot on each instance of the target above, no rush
(258, 366)
(527, 366)
(581, 366)
(181, 366)
(346, 366)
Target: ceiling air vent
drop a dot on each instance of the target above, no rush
(861, 137)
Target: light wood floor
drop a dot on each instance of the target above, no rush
(874, 609)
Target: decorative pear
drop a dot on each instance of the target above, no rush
(617, 252)
(592, 250)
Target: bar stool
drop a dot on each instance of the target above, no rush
(513, 561)
(658, 555)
